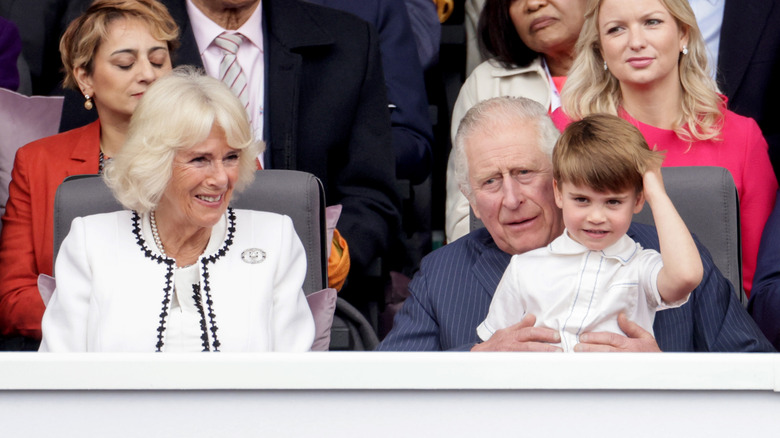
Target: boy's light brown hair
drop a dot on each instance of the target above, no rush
(603, 152)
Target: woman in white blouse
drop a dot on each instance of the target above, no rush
(180, 270)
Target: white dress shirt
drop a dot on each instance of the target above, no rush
(574, 290)
(250, 57)
(709, 17)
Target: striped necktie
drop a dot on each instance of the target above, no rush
(230, 71)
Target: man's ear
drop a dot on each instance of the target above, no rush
(470, 197)
(84, 80)
(558, 194)
(474, 208)
(640, 202)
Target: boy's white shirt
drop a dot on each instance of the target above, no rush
(574, 290)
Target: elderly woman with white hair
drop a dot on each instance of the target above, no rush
(180, 270)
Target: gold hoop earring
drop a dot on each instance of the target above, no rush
(88, 102)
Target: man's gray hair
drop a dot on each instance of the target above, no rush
(498, 113)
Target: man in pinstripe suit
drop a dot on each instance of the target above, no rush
(504, 148)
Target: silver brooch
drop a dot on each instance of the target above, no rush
(253, 256)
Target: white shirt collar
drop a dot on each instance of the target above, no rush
(622, 250)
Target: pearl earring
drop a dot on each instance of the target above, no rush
(685, 50)
(87, 102)
(605, 66)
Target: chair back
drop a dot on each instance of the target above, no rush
(298, 195)
(706, 198)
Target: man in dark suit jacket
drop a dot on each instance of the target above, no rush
(405, 81)
(749, 65)
(764, 304)
(326, 112)
(505, 170)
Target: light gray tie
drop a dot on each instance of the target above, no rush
(230, 71)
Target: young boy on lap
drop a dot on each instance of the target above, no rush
(603, 173)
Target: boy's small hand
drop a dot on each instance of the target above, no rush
(653, 183)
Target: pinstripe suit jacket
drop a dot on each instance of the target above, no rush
(451, 294)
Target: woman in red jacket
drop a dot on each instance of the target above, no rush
(111, 54)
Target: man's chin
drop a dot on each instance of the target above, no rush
(514, 244)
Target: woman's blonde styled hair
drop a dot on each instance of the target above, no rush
(176, 113)
(84, 35)
(590, 89)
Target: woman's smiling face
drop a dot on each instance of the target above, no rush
(201, 183)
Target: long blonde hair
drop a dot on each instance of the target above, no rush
(590, 89)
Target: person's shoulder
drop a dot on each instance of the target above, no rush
(329, 19)
(259, 218)
(485, 69)
(736, 122)
(644, 235)
(493, 68)
(464, 249)
(98, 223)
(297, 25)
(263, 223)
(59, 142)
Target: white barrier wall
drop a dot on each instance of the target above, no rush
(389, 395)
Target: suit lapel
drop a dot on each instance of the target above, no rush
(85, 153)
(743, 25)
(288, 30)
(490, 265)
(187, 53)
(281, 108)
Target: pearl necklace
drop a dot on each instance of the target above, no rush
(101, 162)
(156, 234)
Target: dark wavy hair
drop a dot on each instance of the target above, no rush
(498, 37)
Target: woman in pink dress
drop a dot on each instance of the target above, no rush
(646, 61)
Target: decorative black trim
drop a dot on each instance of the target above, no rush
(231, 229)
(168, 278)
(171, 263)
(199, 305)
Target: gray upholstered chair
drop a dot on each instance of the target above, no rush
(706, 198)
